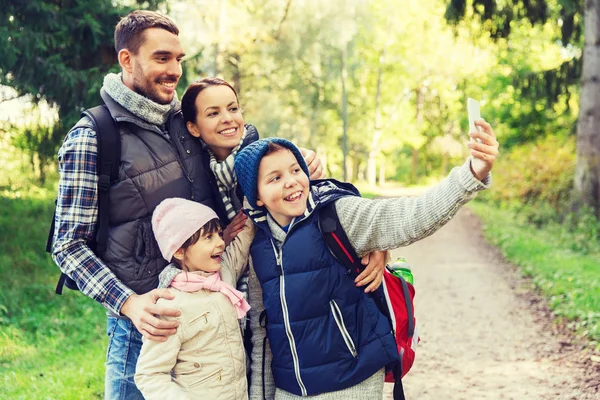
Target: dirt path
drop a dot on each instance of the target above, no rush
(483, 335)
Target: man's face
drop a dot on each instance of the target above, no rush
(157, 65)
(283, 186)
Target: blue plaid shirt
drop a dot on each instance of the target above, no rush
(76, 215)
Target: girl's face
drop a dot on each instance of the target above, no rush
(219, 122)
(204, 255)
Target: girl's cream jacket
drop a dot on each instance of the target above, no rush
(205, 359)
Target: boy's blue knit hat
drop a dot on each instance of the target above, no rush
(247, 162)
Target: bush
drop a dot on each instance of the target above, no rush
(536, 173)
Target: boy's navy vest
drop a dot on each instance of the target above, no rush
(324, 332)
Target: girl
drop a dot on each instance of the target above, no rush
(205, 358)
(328, 339)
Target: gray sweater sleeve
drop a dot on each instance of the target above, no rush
(385, 224)
(259, 333)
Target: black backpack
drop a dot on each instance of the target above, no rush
(108, 161)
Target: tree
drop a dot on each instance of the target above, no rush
(587, 168)
(59, 50)
(575, 19)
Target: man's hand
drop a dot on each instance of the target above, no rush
(235, 226)
(485, 151)
(373, 272)
(142, 311)
(315, 167)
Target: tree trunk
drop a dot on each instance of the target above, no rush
(382, 173)
(587, 170)
(374, 149)
(344, 115)
(236, 75)
(418, 123)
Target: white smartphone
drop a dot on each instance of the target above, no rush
(474, 113)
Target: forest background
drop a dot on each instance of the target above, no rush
(378, 88)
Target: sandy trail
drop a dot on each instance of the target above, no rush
(484, 336)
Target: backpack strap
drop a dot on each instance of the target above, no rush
(108, 160)
(337, 240)
(340, 246)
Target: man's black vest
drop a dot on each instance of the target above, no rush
(155, 165)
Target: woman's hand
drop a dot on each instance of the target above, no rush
(235, 226)
(485, 150)
(372, 275)
(315, 167)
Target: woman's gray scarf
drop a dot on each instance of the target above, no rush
(226, 179)
(135, 103)
(227, 183)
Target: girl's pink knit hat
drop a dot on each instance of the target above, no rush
(175, 220)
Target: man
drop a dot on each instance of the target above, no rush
(159, 159)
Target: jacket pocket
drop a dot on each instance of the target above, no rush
(213, 376)
(200, 318)
(339, 320)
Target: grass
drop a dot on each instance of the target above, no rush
(51, 347)
(569, 279)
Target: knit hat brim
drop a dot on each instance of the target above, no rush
(247, 163)
(175, 220)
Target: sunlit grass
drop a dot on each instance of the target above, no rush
(51, 346)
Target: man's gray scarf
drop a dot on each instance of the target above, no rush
(135, 103)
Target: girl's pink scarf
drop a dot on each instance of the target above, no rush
(195, 282)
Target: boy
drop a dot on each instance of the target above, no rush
(327, 336)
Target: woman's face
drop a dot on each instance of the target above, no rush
(219, 122)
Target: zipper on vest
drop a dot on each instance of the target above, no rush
(286, 320)
(171, 141)
(339, 320)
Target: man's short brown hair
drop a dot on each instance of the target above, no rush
(129, 32)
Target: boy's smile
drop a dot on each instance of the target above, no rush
(283, 187)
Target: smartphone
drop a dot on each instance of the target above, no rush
(474, 113)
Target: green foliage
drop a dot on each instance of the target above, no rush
(535, 173)
(60, 51)
(40, 143)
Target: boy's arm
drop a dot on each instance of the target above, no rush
(390, 223)
(259, 358)
(153, 370)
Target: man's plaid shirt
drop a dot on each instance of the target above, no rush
(76, 215)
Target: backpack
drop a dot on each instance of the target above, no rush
(108, 161)
(394, 298)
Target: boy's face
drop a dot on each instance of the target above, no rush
(204, 255)
(283, 186)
